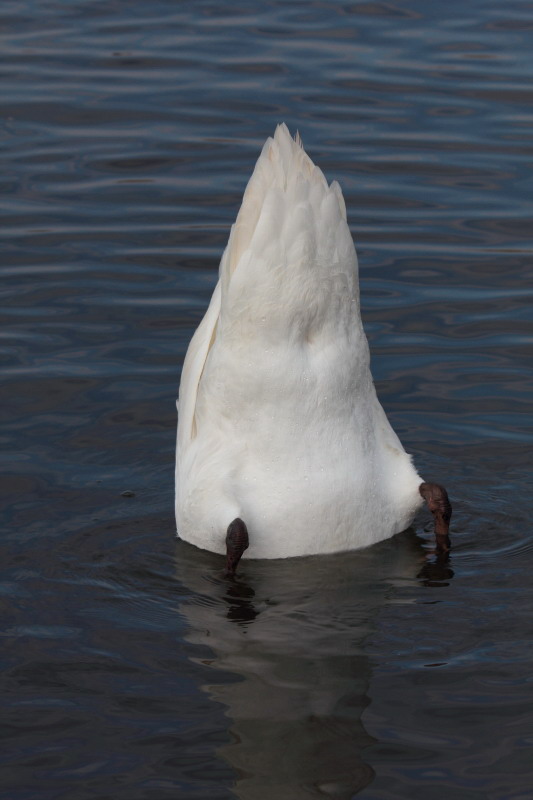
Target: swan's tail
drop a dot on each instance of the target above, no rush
(290, 240)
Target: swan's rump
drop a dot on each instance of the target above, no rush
(279, 422)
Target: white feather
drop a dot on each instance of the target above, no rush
(279, 422)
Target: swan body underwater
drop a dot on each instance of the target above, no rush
(283, 448)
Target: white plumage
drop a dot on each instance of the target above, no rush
(279, 422)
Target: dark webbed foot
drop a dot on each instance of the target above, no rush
(236, 544)
(439, 504)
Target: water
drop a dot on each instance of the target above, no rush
(130, 668)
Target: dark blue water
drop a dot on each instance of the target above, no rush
(130, 669)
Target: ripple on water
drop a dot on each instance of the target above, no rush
(130, 668)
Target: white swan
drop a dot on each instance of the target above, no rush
(280, 431)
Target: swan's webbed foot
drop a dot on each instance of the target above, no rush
(236, 543)
(439, 504)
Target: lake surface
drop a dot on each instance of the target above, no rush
(130, 669)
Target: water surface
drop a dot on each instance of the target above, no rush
(130, 669)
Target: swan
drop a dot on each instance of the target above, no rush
(283, 448)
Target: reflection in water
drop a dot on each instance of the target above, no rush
(239, 597)
(436, 573)
(294, 632)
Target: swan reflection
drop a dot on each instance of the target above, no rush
(294, 634)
